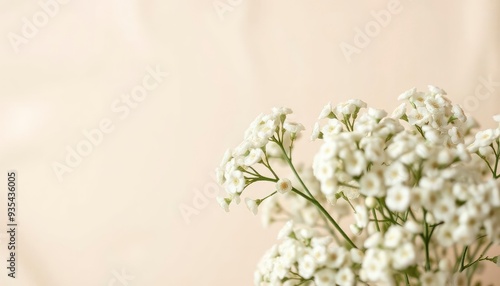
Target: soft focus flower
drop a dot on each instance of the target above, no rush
(252, 205)
(224, 204)
(398, 198)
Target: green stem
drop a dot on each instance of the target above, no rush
(426, 239)
(327, 215)
(407, 280)
(311, 198)
(462, 260)
(376, 219)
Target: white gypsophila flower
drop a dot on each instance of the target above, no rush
(283, 185)
(345, 277)
(404, 256)
(395, 174)
(372, 185)
(321, 241)
(407, 94)
(433, 181)
(485, 138)
(399, 111)
(224, 203)
(374, 240)
(413, 227)
(435, 105)
(219, 176)
(252, 205)
(307, 266)
(281, 111)
(324, 277)
(373, 149)
(344, 109)
(305, 233)
(444, 209)
(370, 202)
(398, 198)
(286, 230)
(242, 149)
(377, 114)
(436, 90)
(375, 264)
(333, 127)
(337, 256)
(433, 279)
(357, 103)
(293, 127)
(280, 269)
(418, 99)
(496, 118)
(458, 112)
(445, 235)
(326, 111)
(329, 187)
(254, 157)
(418, 116)
(225, 159)
(289, 251)
(361, 216)
(316, 131)
(355, 163)
(235, 198)
(356, 255)
(356, 230)
(319, 254)
(235, 182)
(393, 236)
(366, 124)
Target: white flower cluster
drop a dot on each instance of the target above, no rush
(421, 183)
(301, 257)
(237, 164)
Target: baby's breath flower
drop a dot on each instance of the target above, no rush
(293, 127)
(436, 90)
(286, 230)
(283, 186)
(398, 198)
(345, 277)
(407, 94)
(325, 277)
(224, 203)
(307, 266)
(252, 205)
(316, 131)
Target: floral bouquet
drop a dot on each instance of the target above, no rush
(417, 189)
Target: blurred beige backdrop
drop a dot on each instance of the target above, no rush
(200, 71)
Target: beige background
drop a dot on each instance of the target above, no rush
(118, 210)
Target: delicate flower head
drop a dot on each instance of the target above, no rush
(252, 205)
(224, 203)
(283, 185)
